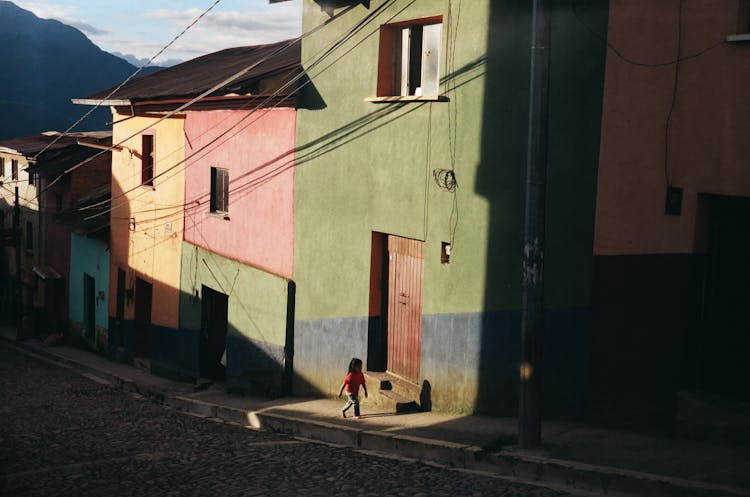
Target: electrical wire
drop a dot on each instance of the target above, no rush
(333, 46)
(137, 71)
(625, 58)
(216, 87)
(675, 88)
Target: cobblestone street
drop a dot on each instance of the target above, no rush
(62, 434)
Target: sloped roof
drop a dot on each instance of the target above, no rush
(195, 76)
(90, 214)
(31, 145)
(64, 153)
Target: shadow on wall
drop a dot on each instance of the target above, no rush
(576, 88)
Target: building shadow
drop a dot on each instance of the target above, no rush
(576, 89)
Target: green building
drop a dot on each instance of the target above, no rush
(409, 190)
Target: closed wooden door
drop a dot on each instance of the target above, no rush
(405, 275)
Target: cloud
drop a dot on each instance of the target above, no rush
(63, 13)
(85, 27)
(224, 29)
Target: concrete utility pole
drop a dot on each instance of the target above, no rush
(532, 311)
(17, 241)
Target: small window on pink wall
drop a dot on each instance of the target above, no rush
(219, 190)
(147, 159)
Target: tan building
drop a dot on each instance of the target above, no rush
(15, 156)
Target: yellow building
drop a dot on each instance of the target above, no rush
(146, 230)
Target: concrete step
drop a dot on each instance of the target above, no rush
(390, 382)
(392, 393)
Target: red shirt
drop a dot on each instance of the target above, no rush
(353, 381)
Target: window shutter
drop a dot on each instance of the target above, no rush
(431, 59)
(147, 160)
(224, 190)
(404, 46)
(219, 189)
(214, 183)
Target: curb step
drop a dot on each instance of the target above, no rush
(514, 466)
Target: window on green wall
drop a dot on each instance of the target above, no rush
(409, 59)
(219, 190)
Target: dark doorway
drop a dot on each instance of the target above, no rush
(721, 345)
(89, 308)
(120, 308)
(377, 325)
(214, 311)
(405, 274)
(142, 318)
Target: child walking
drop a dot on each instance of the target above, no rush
(351, 384)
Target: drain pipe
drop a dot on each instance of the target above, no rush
(532, 265)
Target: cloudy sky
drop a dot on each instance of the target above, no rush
(142, 27)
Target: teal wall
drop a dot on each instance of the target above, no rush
(89, 256)
(364, 167)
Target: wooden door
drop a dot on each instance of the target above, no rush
(405, 275)
(142, 318)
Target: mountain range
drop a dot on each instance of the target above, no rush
(44, 63)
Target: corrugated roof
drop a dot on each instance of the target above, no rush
(31, 145)
(195, 76)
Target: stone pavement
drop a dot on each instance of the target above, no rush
(576, 457)
(64, 435)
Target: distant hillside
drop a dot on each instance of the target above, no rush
(44, 64)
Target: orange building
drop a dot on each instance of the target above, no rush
(672, 207)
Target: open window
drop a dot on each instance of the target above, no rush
(219, 190)
(409, 59)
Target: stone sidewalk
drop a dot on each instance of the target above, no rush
(575, 457)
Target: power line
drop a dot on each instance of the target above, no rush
(137, 71)
(625, 58)
(673, 102)
(207, 92)
(332, 47)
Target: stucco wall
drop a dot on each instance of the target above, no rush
(708, 145)
(149, 248)
(364, 167)
(257, 315)
(257, 149)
